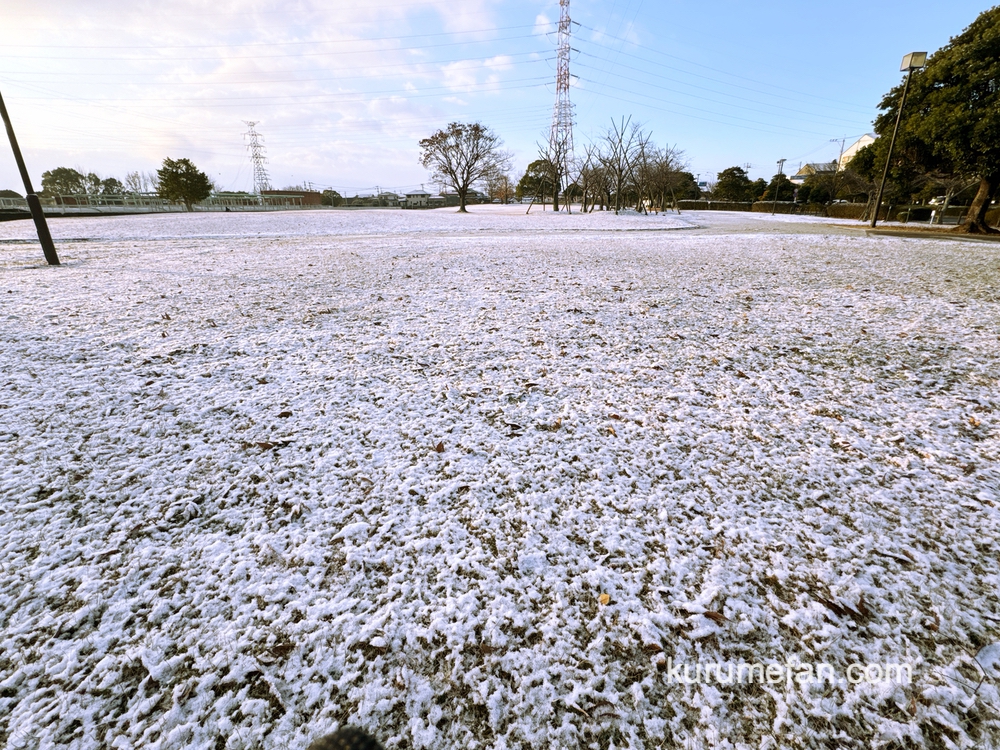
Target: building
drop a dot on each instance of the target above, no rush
(292, 197)
(808, 170)
(417, 199)
(851, 151)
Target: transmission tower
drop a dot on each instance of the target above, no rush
(561, 136)
(261, 181)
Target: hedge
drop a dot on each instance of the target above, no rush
(832, 210)
(714, 206)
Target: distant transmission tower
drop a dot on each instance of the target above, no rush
(561, 137)
(261, 181)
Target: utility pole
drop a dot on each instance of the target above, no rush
(911, 62)
(777, 182)
(842, 141)
(41, 226)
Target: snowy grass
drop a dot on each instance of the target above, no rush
(263, 475)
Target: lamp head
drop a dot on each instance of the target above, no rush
(914, 61)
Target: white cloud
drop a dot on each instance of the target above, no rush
(179, 79)
(500, 62)
(543, 25)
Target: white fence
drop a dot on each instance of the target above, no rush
(94, 205)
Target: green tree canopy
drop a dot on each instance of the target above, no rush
(62, 181)
(536, 180)
(10, 194)
(781, 185)
(687, 187)
(951, 120)
(331, 198)
(733, 184)
(180, 180)
(112, 186)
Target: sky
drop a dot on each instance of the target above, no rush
(342, 91)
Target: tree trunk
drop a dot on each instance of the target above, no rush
(461, 202)
(976, 219)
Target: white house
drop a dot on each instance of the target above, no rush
(417, 199)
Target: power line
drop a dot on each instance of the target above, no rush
(798, 94)
(188, 58)
(265, 44)
(422, 67)
(794, 110)
(645, 102)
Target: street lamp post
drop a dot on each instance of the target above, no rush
(41, 227)
(911, 62)
(777, 185)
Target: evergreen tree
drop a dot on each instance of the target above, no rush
(180, 180)
(733, 184)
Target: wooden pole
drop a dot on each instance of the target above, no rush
(41, 227)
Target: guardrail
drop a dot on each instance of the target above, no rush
(111, 205)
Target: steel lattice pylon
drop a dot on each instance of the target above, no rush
(561, 136)
(261, 181)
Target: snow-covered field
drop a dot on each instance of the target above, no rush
(483, 481)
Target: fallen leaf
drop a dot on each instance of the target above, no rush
(862, 607)
(716, 617)
(439, 447)
(577, 709)
(284, 414)
(604, 598)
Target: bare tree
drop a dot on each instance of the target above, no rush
(133, 182)
(622, 143)
(587, 178)
(666, 175)
(644, 171)
(499, 186)
(463, 154)
(558, 158)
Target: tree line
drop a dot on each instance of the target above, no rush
(949, 144)
(176, 180)
(622, 168)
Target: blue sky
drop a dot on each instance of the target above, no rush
(342, 91)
